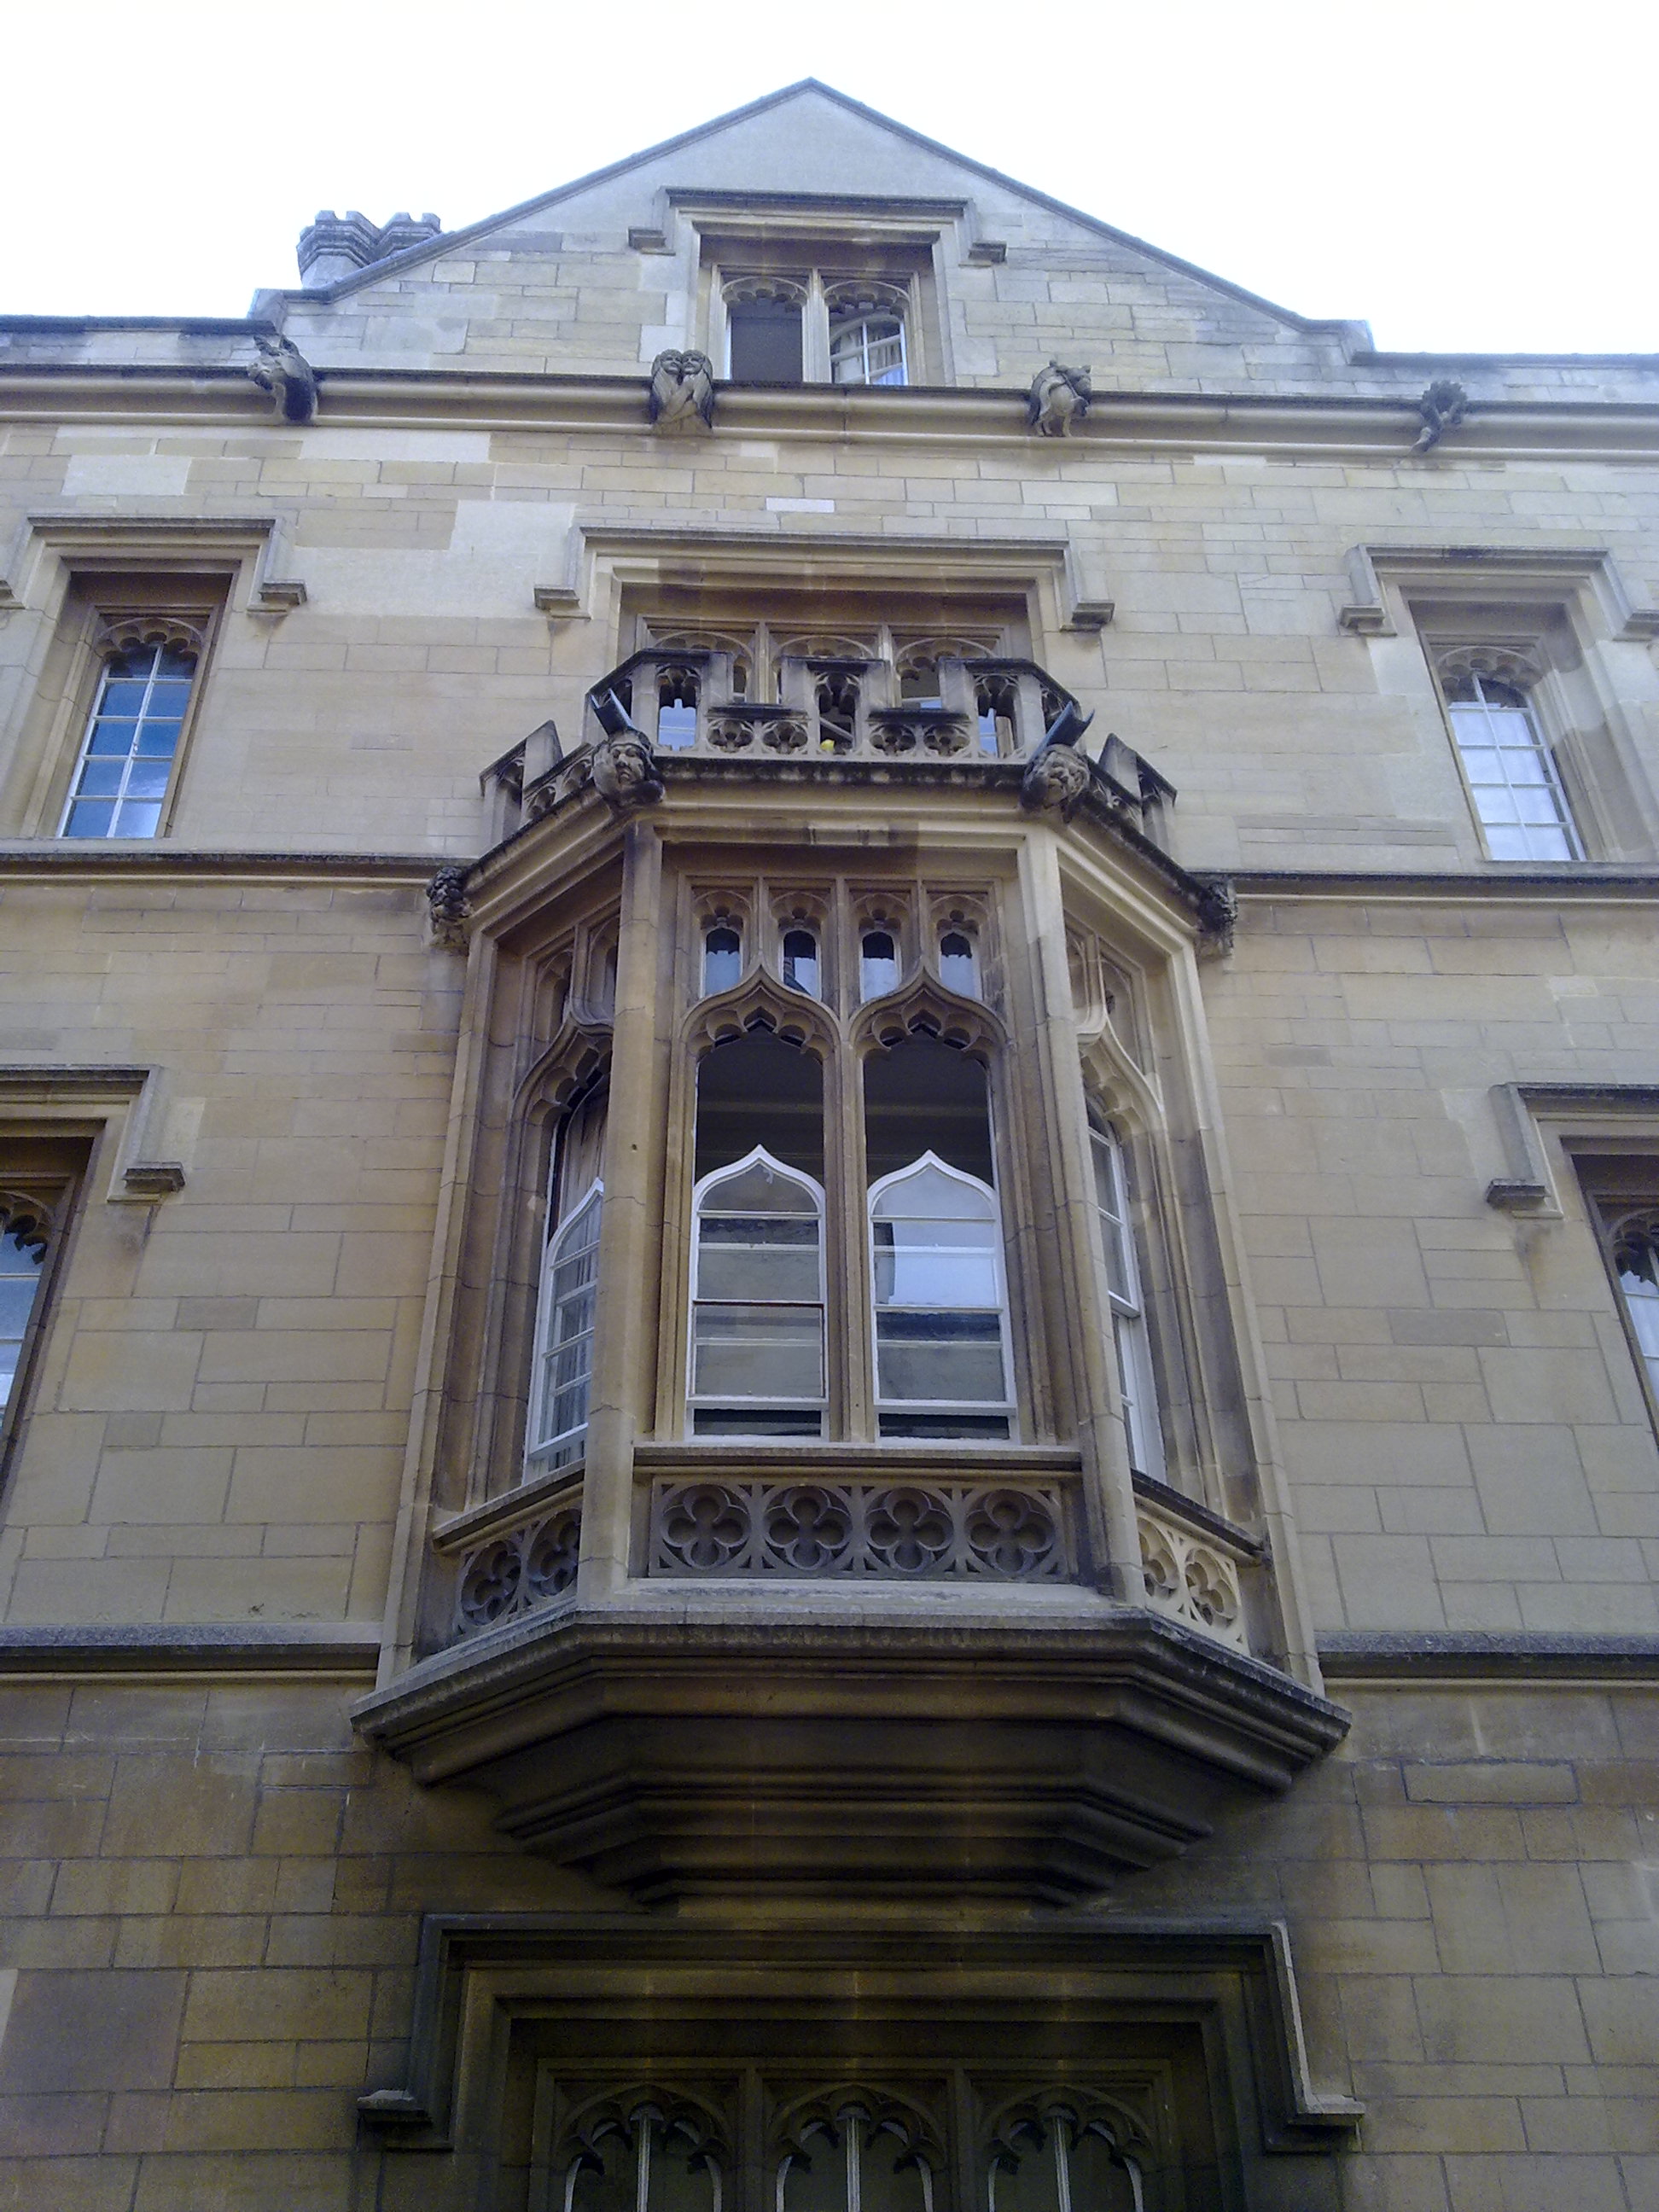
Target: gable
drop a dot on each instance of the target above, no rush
(598, 276)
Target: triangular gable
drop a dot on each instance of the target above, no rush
(450, 243)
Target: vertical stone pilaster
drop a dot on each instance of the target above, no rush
(624, 1314)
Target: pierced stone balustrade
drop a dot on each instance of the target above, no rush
(514, 1557)
(924, 1530)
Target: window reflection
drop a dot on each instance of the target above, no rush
(23, 1256)
(800, 960)
(958, 967)
(722, 959)
(878, 971)
(126, 762)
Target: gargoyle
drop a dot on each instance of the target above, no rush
(682, 390)
(1060, 771)
(623, 763)
(1059, 398)
(1442, 408)
(284, 371)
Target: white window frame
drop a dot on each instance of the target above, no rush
(1126, 1303)
(858, 325)
(564, 1448)
(697, 1402)
(964, 1409)
(84, 754)
(1473, 722)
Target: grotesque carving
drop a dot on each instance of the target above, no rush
(1060, 771)
(623, 763)
(1059, 398)
(447, 908)
(1442, 408)
(1218, 916)
(284, 371)
(682, 390)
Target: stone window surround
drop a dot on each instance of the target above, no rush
(1564, 612)
(71, 1139)
(849, 234)
(485, 1980)
(83, 578)
(1552, 1136)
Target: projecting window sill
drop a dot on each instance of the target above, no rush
(461, 1530)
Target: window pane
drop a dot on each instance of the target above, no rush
(941, 1358)
(765, 342)
(89, 818)
(760, 1189)
(741, 1421)
(800, 960)
(122, 697)
(102, 779)
(759, 1351)
(677, 727)
(930, 1195)
(20, 1280)
(753, 1260)
(114, 738)
(148, 779)
(136, 821)
(878, 964)
(957, 966)
(918, 1269)
(158, 740)
(722, 960)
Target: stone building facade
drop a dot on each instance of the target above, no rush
(829, 1149)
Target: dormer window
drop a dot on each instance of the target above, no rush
(810, 325)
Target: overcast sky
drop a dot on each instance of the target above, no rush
(1463, 174)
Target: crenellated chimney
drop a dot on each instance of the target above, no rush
(334, 246)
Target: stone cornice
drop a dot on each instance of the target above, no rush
(1525, 1657)
(56, 859)
(1578, 881)
(348, 1647)
(490, 399)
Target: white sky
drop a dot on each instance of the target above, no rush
(1464, 174)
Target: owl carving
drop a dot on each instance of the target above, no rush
(682, 390)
